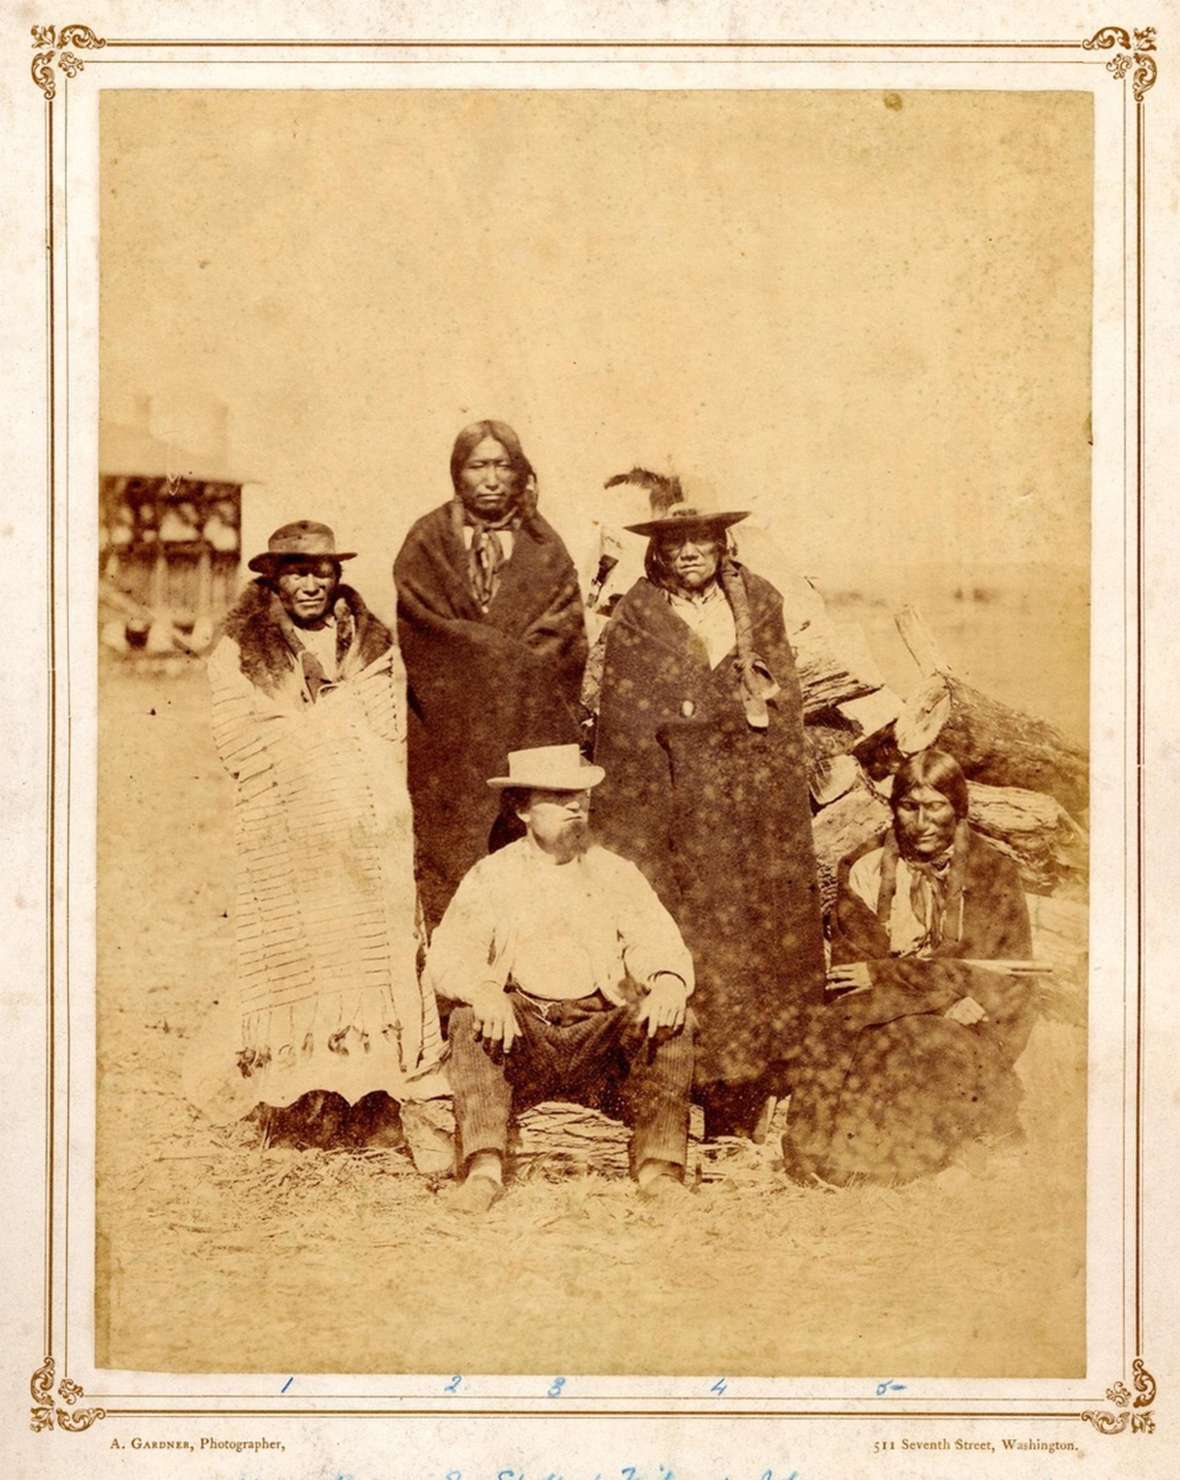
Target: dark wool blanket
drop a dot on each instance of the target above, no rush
(480, 686)
(886, 1087)
(717, 816)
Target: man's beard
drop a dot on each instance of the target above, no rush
(573, 841)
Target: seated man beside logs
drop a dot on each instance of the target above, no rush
(573, 982)
(930, 944)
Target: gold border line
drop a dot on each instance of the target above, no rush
(649, 45)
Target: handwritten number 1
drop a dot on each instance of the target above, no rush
(558, 1384)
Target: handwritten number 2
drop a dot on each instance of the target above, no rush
(453, 1385)
(558, 1384)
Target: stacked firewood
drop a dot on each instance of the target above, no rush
(1028, 783)
(559, 1139)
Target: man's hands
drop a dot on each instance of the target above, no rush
(495, 1017)
(966, 1011)
(665, 1004)
(852, 976)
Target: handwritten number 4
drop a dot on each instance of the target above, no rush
(719, 1387)
(558, 1384)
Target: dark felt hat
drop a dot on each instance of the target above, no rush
(303, 539)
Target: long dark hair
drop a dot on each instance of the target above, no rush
(470, 438)
(934, 768)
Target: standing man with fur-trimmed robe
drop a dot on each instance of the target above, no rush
(309, 720)
(700, 732)
(492, 632)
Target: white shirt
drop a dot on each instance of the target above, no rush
(710, 618)
(558, 930)
(322, 642)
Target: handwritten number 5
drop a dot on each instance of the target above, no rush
(558, 1384)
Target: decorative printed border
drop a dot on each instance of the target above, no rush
(43, 1415)
(1135, 54)
(1115, 1423)
(46, 36)
(1135, 49)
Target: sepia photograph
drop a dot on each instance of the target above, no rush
(594, 600)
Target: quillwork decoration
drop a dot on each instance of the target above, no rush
(46, 1414)
(54, 45)
(1135, 48)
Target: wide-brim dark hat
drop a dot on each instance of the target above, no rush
(691, 504)
(302, 540)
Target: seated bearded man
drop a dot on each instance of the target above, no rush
(573, 981)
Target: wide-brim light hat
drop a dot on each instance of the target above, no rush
(303, 539)
(690, 504)
(549, 768)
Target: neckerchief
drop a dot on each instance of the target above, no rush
(936, 891)
(486, 555)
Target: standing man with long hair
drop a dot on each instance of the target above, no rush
(493, 638)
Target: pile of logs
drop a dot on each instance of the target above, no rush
(1028, 784)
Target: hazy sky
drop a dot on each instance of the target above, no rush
(865, 315)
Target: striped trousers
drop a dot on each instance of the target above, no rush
(587, 1050)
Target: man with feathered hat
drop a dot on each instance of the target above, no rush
(700, 732)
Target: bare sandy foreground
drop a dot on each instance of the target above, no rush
(215, 1256)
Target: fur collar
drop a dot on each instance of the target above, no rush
(256, 624)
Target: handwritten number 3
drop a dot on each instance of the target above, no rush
(558, 1384)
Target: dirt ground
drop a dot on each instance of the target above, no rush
(216, 1256)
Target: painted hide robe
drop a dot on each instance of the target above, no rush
(480, 685)
(716, 814)
(325, 919)
(886, 1088)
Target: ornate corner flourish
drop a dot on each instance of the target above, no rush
(1135, 48)
(53, 43)
(44, 1413)
(1135, 1411)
